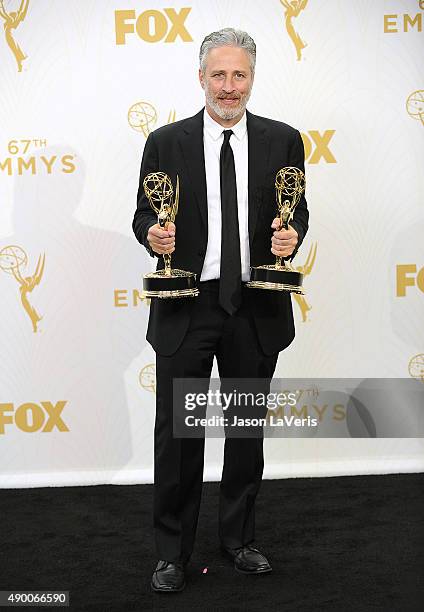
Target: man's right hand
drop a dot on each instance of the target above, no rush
(162, 240)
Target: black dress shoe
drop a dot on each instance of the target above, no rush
(248, 560)
(168, 577)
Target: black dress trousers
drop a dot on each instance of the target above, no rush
(178, 462)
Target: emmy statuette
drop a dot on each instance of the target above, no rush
(289, 187)
(166, 283)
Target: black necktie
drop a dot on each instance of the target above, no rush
(230, 275)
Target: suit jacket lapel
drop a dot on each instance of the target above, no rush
(191, 142)
(258, 151)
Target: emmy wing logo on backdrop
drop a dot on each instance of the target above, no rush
(142, 117)
(305, 270)
(292, 10)
(12, 260)
(416, 367)
(415, 105)
(12, 19)
(147, 378)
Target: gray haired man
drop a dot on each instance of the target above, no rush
(226, 159)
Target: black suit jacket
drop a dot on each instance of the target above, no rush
(178, 149)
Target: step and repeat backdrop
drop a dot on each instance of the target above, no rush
(82, 84)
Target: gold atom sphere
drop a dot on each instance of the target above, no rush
(415, 104)
(290, 181)
(158, 187)
(416, 367)
(142, 117)
(147, 377)
(11, 258)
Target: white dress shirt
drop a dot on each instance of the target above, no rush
(212, 142)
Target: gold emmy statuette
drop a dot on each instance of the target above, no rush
(293, 9)
(166, 283)
(11, 21)
(289, 187)
(12, 260)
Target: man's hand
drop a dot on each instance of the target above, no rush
(162, 240)
(284, 241)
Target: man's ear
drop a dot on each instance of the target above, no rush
(201, 79)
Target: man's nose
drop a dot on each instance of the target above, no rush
(228, 85)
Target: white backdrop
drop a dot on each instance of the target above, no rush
(77, 376)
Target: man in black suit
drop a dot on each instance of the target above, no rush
(226, 159)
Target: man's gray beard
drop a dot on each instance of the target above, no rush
(227, 113)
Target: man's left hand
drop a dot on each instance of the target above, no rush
(284, 241)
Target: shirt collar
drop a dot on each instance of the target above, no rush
(215, 129)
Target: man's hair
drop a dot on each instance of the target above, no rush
(228, 37)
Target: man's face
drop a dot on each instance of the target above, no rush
(227, 82)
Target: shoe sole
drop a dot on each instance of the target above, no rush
(156, 590)
(254, 572)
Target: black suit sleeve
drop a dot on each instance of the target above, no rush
(301, 213)
(144, 216)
